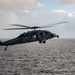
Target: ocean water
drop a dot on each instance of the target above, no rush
(56, 57)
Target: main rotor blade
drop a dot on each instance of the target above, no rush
(52, 25)
(34, 27)
(46, 26)
(16, 28)
(19, 25)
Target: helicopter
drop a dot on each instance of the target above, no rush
(31, 36)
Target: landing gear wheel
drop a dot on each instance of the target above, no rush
(40, 42)
(44, 42)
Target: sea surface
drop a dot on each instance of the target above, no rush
(56, 57)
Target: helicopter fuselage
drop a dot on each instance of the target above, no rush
(30, 36)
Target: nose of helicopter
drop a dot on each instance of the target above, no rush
(54, 35)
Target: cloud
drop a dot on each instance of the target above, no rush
(8, 17)
(66, 30)
(59, 11)
(71, 15)
(63, 12)
(68, 2)
(19, 4)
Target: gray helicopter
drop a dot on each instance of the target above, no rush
(31, 36)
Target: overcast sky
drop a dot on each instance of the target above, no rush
(37, 13)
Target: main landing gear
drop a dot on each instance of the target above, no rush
(44, 41)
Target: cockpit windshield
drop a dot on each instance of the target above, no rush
(21, 35)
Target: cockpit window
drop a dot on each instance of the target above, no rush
(22, 35)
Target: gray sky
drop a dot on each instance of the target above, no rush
(38, 13)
